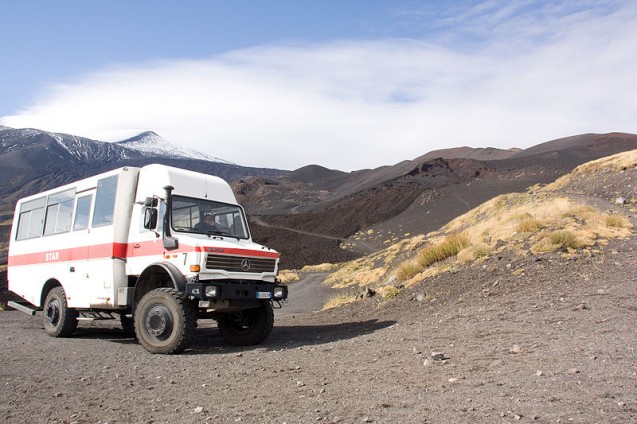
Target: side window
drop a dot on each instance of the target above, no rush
(82, 210)
(105, 201)
(31, 219)
(58, 212)
(237, 226)
(185, 215)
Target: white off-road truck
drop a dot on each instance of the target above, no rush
(158, 247)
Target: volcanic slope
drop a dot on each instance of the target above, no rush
(578, 213)
(381, 206)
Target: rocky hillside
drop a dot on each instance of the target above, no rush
(573, 217)
(322, 208)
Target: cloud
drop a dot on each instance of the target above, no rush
(360, 104)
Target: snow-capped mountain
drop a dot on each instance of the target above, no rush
(80, 149)
(150, 144)
(32, 147)
(32, 160)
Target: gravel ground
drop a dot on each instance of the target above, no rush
(555, 343)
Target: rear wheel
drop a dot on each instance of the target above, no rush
(164, 321)
(248, 327)
(59, 319)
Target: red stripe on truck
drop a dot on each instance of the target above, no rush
(123, 251)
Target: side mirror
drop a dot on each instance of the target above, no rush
(150, 218)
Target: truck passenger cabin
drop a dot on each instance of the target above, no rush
(160, 247)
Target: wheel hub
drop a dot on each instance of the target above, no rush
(53, 313)
(159, 322)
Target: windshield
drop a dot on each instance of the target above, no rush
(208, 217)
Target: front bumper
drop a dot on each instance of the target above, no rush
(222, 290)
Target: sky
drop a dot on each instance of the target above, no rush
(347, 84)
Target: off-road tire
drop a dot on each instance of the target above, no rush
(59, 319)
(165, 321)
(248, 327)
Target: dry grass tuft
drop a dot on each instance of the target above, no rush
(339, 300)
(408, 270)
(529, 225)
(287, 276)
(565, 239)
(321, 268)
(475, 253)
(388, 292)
(556, 240)
(617, 221)
(429, 255)
(448, 248)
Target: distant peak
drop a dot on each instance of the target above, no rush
(149, 134)
(151, 144)
(145, 137)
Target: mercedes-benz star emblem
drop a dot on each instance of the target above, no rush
(245, 264)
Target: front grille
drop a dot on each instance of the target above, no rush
(240, 264)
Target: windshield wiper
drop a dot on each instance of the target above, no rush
(221, 235)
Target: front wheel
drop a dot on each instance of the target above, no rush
(59, 319)
(248, 327)
(164, 321)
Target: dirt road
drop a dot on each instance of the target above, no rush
(309, 295)
(357, 246)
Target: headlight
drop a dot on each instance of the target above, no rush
(211, 291)
(278, 293)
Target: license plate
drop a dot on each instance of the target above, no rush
(264, 295)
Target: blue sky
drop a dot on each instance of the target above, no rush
(343, 84)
